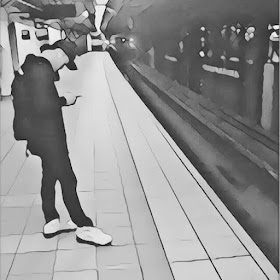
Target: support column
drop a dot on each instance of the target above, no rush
(14, 45)
(275, 102)
(255, 56)
(7, 73)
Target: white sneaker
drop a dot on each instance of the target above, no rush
(54, 228)
(93, 236)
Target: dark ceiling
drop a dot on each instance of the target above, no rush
(153, 17)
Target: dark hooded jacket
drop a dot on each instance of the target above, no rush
(36, 100)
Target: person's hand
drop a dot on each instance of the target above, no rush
(71, 98)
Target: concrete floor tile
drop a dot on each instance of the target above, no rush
(13, 213)
(11, 166)
(6, 109)
(11, 229)
(89, 208)
(25, 200)
(9, 244)
(83, 168)
(138, 207)
(36, 276)
(37, 243)
(187, 250)
(106, 181)
(121, 235)
(179, 229)
(241, 268)
(110, 201)
(35, 221)
(84, 186)
(105, 220)
(224, 247)
(211, 226)
(75, 260)
(171, 220)
(35, 262)
(13, 220)
(29, 178)
(198, 270)
(104, 160)
(7, 141)
(144, 235)
(38, 200)
(63, 212)
(6, 261)
(117, 207)
(108, 195)
(206, 208)
(90, 204)
(141, 217)
(83, 275)
(2, 197)
(67, 241)
(122, 274)
(153, 262)
(117, 257)
(86, 196)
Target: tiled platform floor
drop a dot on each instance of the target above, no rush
(131, 182)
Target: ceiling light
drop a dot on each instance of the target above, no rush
(85, 14)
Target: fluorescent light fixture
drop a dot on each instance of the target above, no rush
(85, 14)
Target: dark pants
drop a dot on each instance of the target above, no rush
(56, 165)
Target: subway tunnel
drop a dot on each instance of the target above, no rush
(206, 75)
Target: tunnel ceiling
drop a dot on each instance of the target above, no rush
(160, 18)
(165, 17)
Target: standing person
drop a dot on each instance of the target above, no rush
(38, 119)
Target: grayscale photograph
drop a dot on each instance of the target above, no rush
(139, 139)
